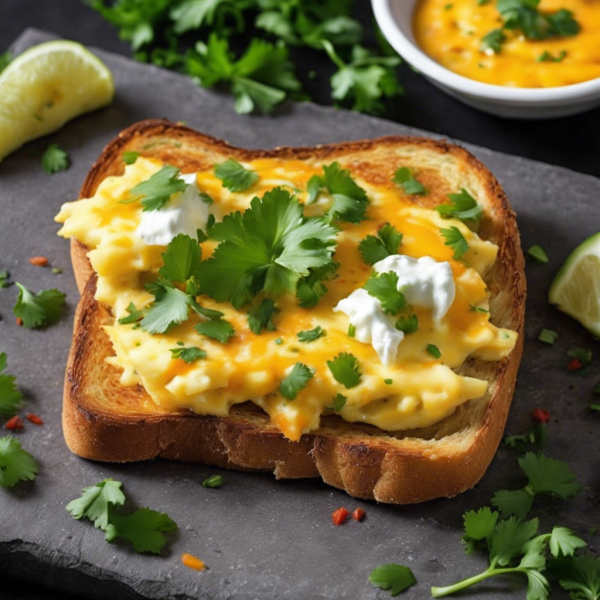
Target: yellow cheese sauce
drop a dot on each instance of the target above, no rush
(450, 32)
(416, 391)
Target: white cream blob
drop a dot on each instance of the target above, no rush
(423, 281)
(184, 213)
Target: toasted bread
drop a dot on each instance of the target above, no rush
(105, 421)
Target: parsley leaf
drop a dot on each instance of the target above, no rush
(580, 575)
(407, 324)
(261, 317)
(170, 307)
(16, 464)
(234, 176)
(182, 259)
(217, 329)
(373, 249)
(156, 191)
(345, 369)
(130, 157)
(404, 177)
(54, 159)
(463, 206)
(384, 287)
(311, 289)
(268, 247)
(95, 501)
(393, 577)
(39, 309)
(310, 335)
(4, 279)
(188, 355)
(456, 240)
(10, 396)
(297, 379)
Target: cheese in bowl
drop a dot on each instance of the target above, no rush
(524, 44)
(294, 284)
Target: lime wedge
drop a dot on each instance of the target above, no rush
(576, 287)
(45, 87)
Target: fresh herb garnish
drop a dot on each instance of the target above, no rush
(310, 335)
(216, 329)
(261, 317)
(16, 464)
(39, 309)
(54, 159)
(433, 350)
(339, 401)
(351, 330)
(144, 528)
(537, 253)
(478, 309)
(393, 578)
(297, 379)
(170, 307)
(548, 336)
(463, 207)
(580, 575)
(5, 59)
(129, 157)
(404, 178)
(156, 191)
(549, 57)
(456, 240)
(10, 396)
(214, 481)
(188, 355)
(536, 436)
(234, 176)
(407, 324)
(311, 289)
(384, 287)
(373, 249)
(345, 369)
(4, 279)
(134, 316)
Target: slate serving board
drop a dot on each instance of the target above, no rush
(260, 538)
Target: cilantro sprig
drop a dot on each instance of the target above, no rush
(462, 206)
(310, 335)
(37, 310)
(580, 575)
(404, 177)
(393, 577)
(10, 395)
(345, 369)
(144, 528)
(16, 464)
(54, 159)
(375, 248)
(384, 287)
(456, 240)
(189, 355)
(234, 176)
(295, 381)
(157, 190)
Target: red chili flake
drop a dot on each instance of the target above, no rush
(358, 514)
(540, 415)
(34, 419)
(574, 365)
(339, 516)
(14, 424)
(39, 261)
(19, 322)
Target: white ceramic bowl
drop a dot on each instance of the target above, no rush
(394, 17)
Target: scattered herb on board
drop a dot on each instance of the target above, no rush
(384, 287)
(537, 254)
(310, 335)
(16, 464)
(375, 248)
(37, 310)
(10, 396)
(295, 381)
(393, 577)
(345, 369)
(548, 336)
(54, 159)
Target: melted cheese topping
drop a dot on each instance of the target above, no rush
(415, 391)
(450, 32)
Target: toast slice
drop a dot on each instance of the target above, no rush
(102, 420)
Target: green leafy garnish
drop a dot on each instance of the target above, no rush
(134, 316)
(130, 157)
(580, 575)
(188, 355)
(261, 317)
(339, 401)
(373, 249)
(456, 240)
(4, 279)
(54, 159)
(478, 309)
(548, 336)
(537, 254)
(297, 380)
(217, 329)
(234, 176)
(546, 477)
(214, 481)
(393, 578)
(269, 247)
(493, 41)
(10, 396)
(433, 350)
(407, 324)
(5, 59)
(156, 191)
(16, 464)
(463, 206)
(384, 287)
(38, 309)
(310, 289)
(144, 528)
(537, 436)
(345, 369)
(549, 57)
(351, 330)
(404, 177)
(310, 335)
(170, 307)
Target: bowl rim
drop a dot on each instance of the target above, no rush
(464, 85)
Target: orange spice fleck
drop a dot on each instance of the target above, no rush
(19, 322)
(359, 514)
(34, 419)
(193, 562)
(14, 424)
(39, 261)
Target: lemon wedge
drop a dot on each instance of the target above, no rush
(45, 87)
(576, 287)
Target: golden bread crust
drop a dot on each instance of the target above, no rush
(105, 421)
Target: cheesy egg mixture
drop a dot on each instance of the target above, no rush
(409, 384)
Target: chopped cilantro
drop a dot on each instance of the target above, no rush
(351, 330)
(393, 578)
(373, 249)
(10, 396)
(407, 324)
(345, 369)
(261, 317)
(134, 316)
(16, 464)
(339, 401)
(156, 191)
(384, 287)
(54, 159)
(463, 206)
(214, 481)
(404, 178)
(478, 309)
(130, 157)
(170, 307)
(188, 355)
(310, 335)
(297, 379)
(537, 436)
(279, 341)
(234, 176)
(456, 240)
(39, 309)
(5, 59)
(548, 336)
(217, 329)
(388, 381)
(549, 57)
(4, 279)
(493, 41)
(433, 350)
(537, 254)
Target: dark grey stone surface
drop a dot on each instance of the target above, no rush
(263, 539)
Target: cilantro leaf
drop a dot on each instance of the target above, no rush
(537, 435)
(156, 191)
(564, 542)
(268, 247)
(463, 207)
(524, 15)
(513, 502)
(214, 481)
(579, 575)
(144, 528)
(310, 335)
(479, 525)
(170, 308)
(4, 279)
(493, 41)
(456, 240)
(509, 538)
(433, 350)
(234, 176)
(384, 287)
(404, 177)
(193, 14)
(548, 336)
(10, 396)
(261, 317)
(407, 324)
(188, 355)
(345, 369)
(95, 502)
(339, 401)
(310, 289)
(130, 157)
(134, 316)
(182, 259)
(217, 329)
(297, 379)
(373, 249)
(393, 577)
(54, 159)
(38, 309)
(16, 464)
(537, 254)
